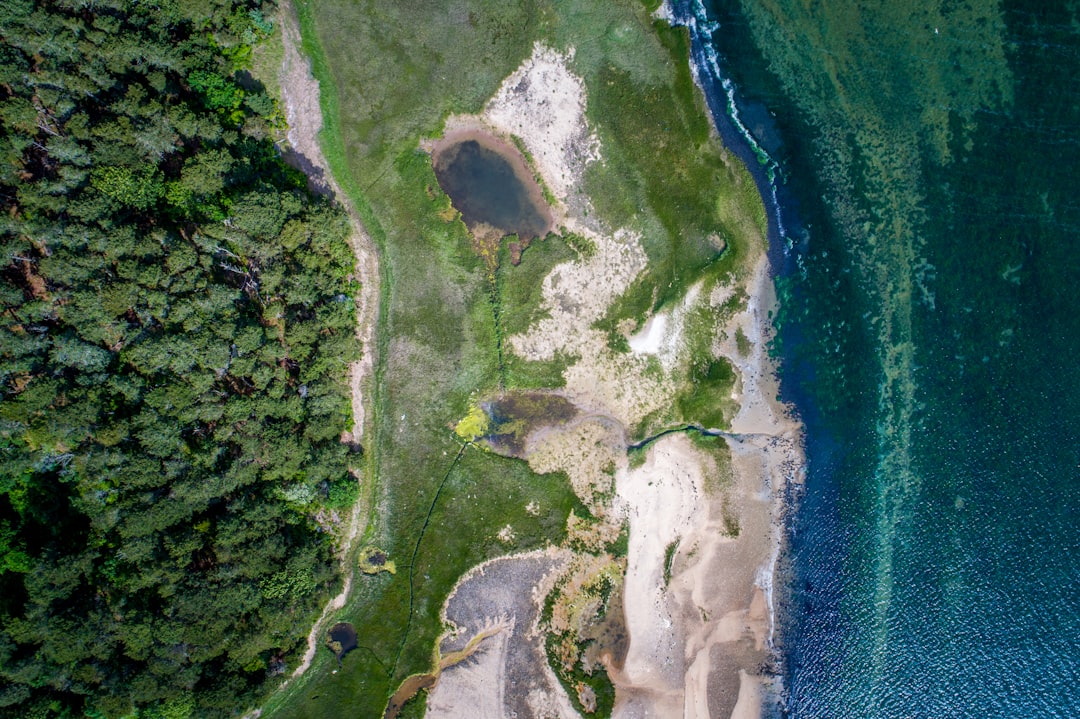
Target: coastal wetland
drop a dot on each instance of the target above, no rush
(439, 503)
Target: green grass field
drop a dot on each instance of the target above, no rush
(391, 72)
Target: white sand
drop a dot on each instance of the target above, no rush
(719, 597)
(649, 339)
(662, 499)
(543, 103)
(662, 334)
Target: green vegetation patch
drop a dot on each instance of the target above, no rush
(473, 425)
(374, 560)
(708, 402)
(178, 322)
(520, 286)
(742, 342)
(669, 560)
(397, 616)
(525, 374)
(721, 474)
(391, 73)
(664, 171)
(582, 622)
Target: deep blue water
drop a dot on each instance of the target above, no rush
(923, 169)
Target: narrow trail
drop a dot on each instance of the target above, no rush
(300, 97)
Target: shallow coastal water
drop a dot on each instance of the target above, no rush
(927, 165)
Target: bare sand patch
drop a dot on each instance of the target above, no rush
(749, 704)
(543, 103)
(475, 688)
(589, 451)
(509, 676)
(662, 499)
(575, 295)
(662, 334)
(650, 338)
(300, 96)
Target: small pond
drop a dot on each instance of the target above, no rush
(489, 183)
(515, 415)
(341, 639)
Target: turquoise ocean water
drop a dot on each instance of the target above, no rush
(922, 161)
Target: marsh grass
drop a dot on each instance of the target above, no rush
(519, 303)
(669, 560)
(520, 286)
(390, 73)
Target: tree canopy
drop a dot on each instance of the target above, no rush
(177, 320)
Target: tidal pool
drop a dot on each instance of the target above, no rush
(490, 184)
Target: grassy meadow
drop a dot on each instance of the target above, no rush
(391, 72)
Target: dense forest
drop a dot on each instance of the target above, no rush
(177, 320)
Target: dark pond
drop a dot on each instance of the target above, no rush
(491, 187)
(341, 639)
(514, 416)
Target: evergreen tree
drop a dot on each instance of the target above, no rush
(176, 323)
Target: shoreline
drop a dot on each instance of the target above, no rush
(699, 640)
(720, 95)
(727, 625)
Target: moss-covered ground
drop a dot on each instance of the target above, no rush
(391, 72)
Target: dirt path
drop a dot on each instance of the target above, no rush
(300, 96)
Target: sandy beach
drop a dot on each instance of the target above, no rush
(704, 525)
(700, 646)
